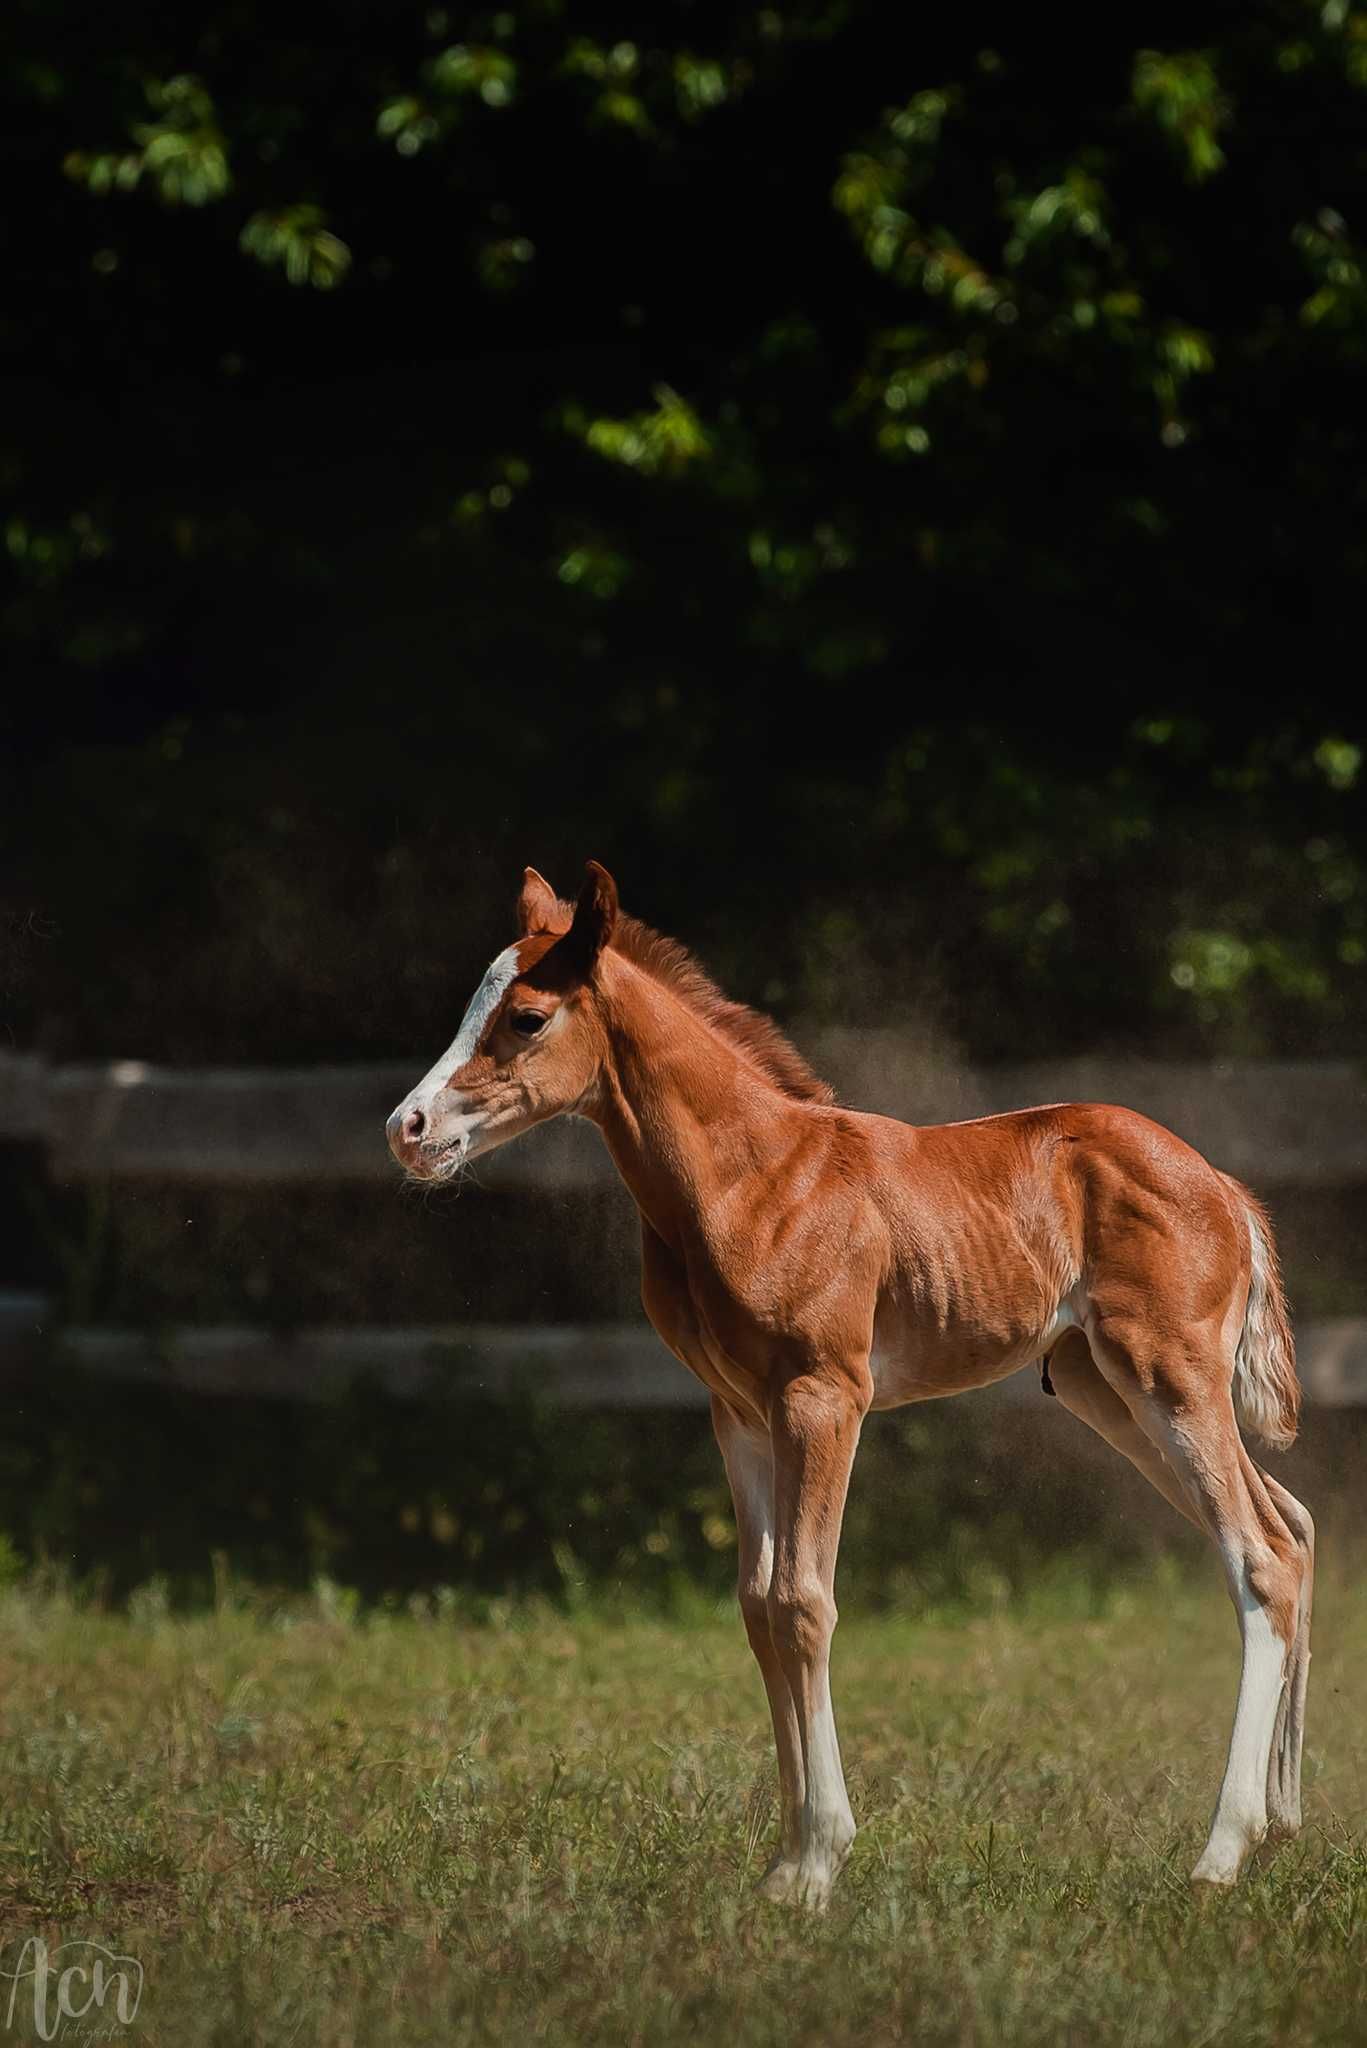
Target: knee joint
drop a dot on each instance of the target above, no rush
(801, 1619)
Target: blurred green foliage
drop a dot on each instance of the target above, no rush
(114, 1485)
(892, 484)
(958, 1502)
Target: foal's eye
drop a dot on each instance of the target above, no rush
(526, 1023)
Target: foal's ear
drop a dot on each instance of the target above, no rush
(538, 906)
(595, 917)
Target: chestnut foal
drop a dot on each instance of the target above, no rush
(809, 1263)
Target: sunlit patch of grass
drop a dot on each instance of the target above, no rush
(314, 1825)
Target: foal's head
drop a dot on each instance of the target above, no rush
(529, 1044)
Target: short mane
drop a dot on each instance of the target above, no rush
(757, 1036)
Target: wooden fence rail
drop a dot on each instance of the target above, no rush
(1285, 1123)
(1280, 1121)
(607, 1365)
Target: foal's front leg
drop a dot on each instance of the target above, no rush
(750, 1469)
(814, 1431)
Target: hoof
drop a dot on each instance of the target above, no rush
(789, 1884)
(1225, 1855)
(1210, 1880)
(806, 1878)
(1219, 1868)
(816, 1878)
(778, 1882)
(813, 1891)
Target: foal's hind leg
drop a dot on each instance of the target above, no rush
(1082, 1390)
(1179, 1395)
(1084, 1393)
(1284, 1771)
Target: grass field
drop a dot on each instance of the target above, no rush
(408, 1829)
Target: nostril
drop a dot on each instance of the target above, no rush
(414, 1124)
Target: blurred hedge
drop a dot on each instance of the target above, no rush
(849, 468)
(111, 1485)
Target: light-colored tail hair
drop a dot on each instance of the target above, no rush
(1267, 1393)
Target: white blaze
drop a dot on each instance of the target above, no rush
(463, 1047)
(497, 980)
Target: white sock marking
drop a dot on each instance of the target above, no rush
(1241, 1811)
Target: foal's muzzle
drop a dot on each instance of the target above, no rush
(419, 1145)
(404, 1131)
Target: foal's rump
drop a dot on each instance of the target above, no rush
(1171, 1238)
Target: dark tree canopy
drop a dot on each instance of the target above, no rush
(891, 484)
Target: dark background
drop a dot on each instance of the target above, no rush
(892, 485)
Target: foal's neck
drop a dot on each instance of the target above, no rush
(684, 1112)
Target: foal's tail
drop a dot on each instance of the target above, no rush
(1267, 1393)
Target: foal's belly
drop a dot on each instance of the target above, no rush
(927, 1365)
